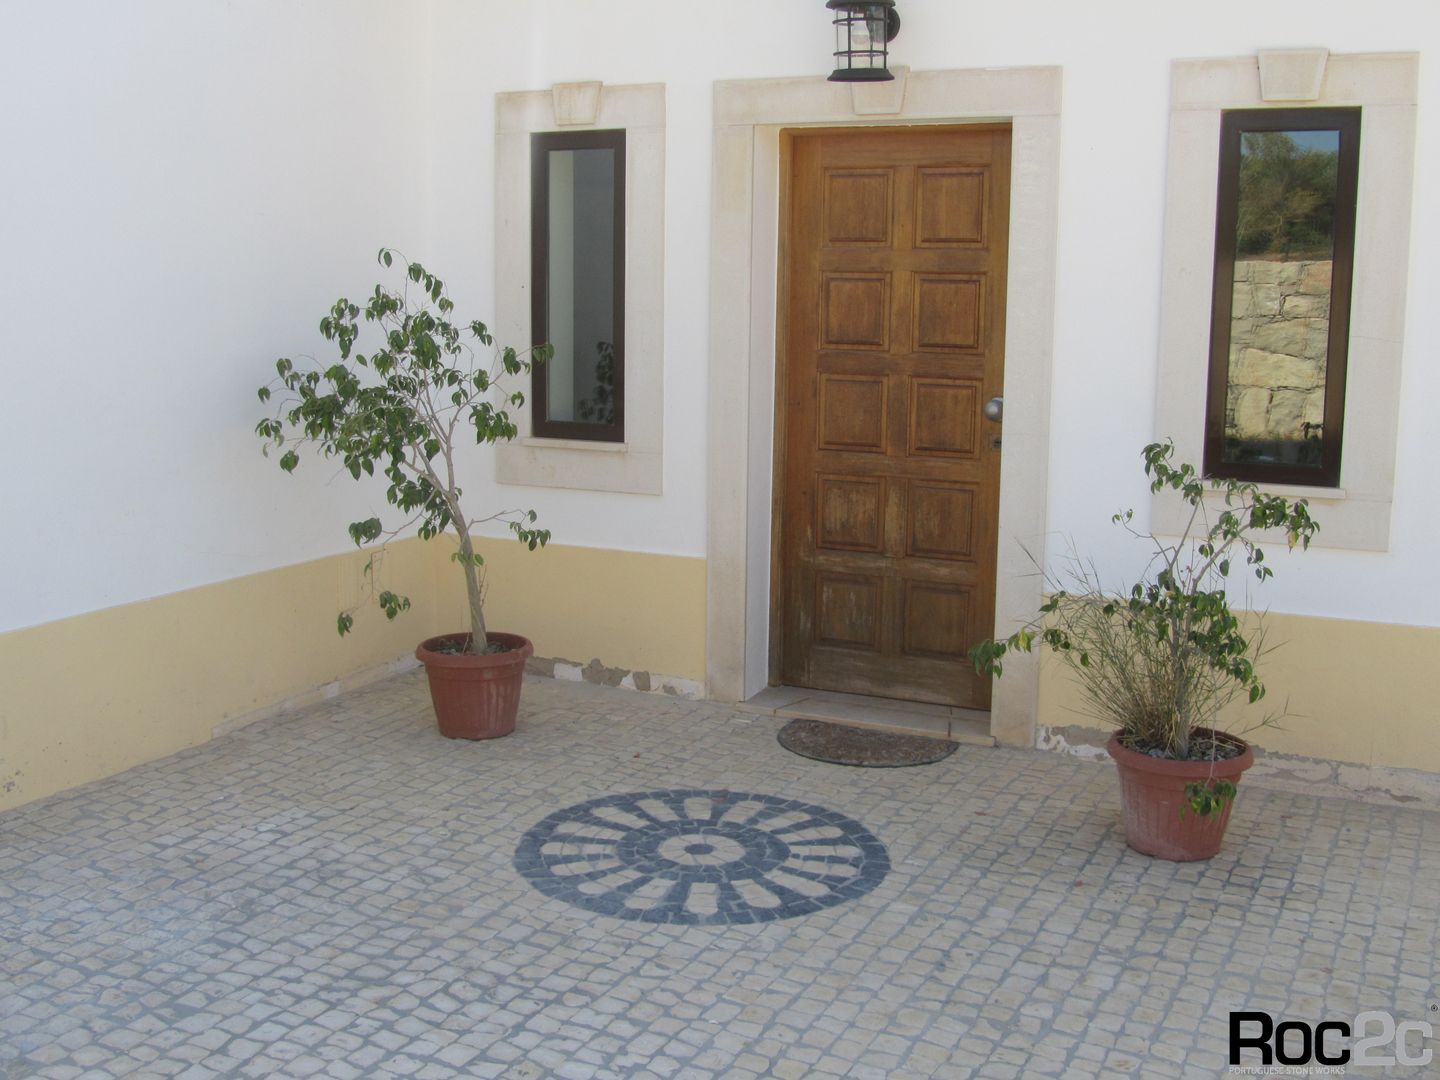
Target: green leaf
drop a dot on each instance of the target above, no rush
(392, 604)
(362, 532)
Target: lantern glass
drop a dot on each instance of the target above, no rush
(875, 34)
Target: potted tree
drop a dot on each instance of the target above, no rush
(402, 408)
(1162, 659)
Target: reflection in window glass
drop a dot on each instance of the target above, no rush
(1280, 314)
(582, 285)
(578, 258)
(1280, 325)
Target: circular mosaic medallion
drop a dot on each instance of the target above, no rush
(701, 858)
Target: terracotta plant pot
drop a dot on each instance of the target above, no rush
(475, 697)
(1152, 793)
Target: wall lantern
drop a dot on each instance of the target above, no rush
(863, 31)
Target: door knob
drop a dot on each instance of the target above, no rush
(994, 409)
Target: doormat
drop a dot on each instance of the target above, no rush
(840, 744)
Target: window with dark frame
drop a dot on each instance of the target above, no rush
(1280, 319)
(578, 283)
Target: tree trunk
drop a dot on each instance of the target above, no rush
(479, 639)
(1178, 741)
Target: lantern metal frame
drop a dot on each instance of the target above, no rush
(847, 14)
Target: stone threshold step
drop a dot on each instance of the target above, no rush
(968, 726)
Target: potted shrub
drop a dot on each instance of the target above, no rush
(1161, 659)
(402, 408)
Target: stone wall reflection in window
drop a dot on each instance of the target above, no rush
(578, 283)
(1284, 249)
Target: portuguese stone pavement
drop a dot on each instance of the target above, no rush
(641, 886)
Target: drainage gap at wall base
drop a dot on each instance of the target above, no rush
(598, 674)
(1283, 772)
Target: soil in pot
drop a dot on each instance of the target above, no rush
(457, 644)
(475, 696)
(1152, 796)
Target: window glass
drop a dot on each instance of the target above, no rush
(1282, 285)
(578, 261)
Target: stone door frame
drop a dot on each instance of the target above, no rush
(749, 115)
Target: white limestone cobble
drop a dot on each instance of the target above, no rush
(335, 893)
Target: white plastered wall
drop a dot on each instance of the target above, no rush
(1113, 148)
(187, 188)
(188, 185)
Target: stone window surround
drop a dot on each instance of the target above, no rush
(635, 465)
(749, 115)
(1356, 515)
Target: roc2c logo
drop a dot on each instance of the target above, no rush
(1379, 1040)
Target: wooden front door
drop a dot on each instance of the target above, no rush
(893, 331)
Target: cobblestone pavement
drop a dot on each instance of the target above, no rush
(337, 893)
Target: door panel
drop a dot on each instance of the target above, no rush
(894, 284)
(944, 418)
(853, 413)
(949, 311)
